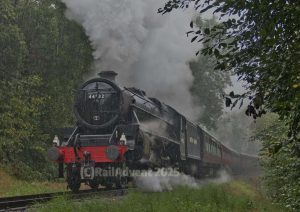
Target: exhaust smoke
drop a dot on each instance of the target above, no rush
(167, 180)
(147, 49)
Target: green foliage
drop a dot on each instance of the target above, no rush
(281, 166)
(282, 178)
(7, 15)
(13, 49)
(43, 59)
(259, 41)
(59, 51)
(234, 196)
(20, 135)
(209, 84)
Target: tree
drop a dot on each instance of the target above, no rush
(44, 57)
(13, 47)
(7, 15)
(209, 84)
(59, 51)
(13, 57)
(21, 140)
(281, 166)
(259, 41)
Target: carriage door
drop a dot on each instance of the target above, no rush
(182, 138)
(202, 145)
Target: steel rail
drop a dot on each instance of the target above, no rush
(21, 203)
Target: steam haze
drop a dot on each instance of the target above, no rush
(148, 50)
(153, 181)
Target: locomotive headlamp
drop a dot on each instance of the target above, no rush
(54, 154)
(56, 141)
(112, 152)
(123, 139)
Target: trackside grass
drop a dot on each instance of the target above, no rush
(228, 197)
(9, 186)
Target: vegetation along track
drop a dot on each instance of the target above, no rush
(19, 203)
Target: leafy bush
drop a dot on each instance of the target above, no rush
(282, 168)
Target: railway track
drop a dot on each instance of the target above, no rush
(21, 203)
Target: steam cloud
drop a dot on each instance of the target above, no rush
(148, 50)
(155, 182)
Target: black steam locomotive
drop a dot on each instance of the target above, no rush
(123, 128)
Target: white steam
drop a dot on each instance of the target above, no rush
(148, 50)
(163, 180)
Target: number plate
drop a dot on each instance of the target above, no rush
(96, 96)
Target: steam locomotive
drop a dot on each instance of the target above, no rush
(121, 128)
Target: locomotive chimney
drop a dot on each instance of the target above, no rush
(110, 75)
